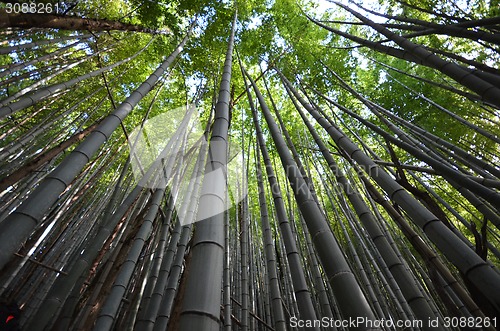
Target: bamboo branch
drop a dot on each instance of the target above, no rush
(41, 264)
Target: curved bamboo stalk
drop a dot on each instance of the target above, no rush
(460, 119)
(460, 74)
(461, 23)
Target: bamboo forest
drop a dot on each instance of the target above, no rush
(249, 165)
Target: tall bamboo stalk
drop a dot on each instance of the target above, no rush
(338, 272)
(467, 261)
(202, 296)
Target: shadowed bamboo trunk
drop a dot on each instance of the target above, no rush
(242, 210)
(470, 96)
(157, 312)
(482, 87)
(14, 48)
(405, 280)
(226, 300)
(484, 84)
(43, 158)
(202, 296)
(275, 295)
(113, 301)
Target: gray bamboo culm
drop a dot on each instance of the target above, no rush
(77, 272)
(159, 312)
(455, 178)
(107, 314)
(59, 292)
(160, 250)
(274, 286)
(411, 293)
(375, 108)
(186, 214)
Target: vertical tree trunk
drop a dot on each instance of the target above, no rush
(275, 294)
(202, 297)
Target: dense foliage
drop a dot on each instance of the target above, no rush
(432, 133)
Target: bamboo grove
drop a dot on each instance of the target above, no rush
(279, 165)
